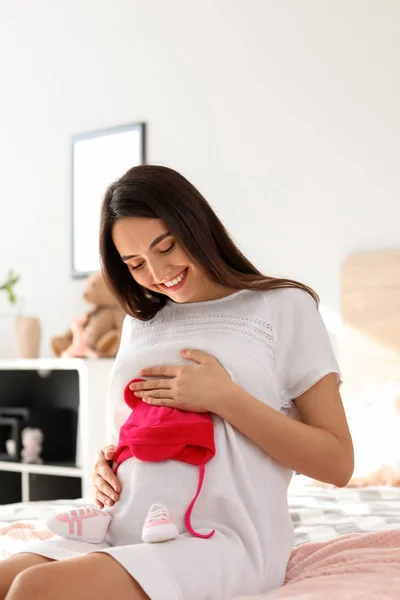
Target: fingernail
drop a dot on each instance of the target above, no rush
(114, 497)
(109, 502)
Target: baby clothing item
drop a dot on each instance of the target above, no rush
(89, 524)
(86, 524)
(159, 525)
(151, 433)
(156, 433)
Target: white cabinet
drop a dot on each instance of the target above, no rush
(67, 399)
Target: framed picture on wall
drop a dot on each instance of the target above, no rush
(98, 158)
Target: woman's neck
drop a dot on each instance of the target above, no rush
(212, 291)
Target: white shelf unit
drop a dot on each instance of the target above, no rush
(69, 477)
(47, 469)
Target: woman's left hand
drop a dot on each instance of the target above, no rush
(196, 388)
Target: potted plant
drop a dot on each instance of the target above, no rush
(8, 287)
(27, 328)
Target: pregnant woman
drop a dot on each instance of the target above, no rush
(211, 334)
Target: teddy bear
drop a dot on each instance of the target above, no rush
(97, 333)
(32, 440)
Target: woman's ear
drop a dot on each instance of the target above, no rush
(129, 395)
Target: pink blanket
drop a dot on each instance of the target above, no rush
(14, 537)
(357, 566)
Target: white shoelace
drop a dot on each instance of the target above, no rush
(158, 513)
(86, 511)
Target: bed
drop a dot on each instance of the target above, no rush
(318, 514)
(324, 513)
(325, 520)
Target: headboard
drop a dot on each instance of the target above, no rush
(370, 306)
(369, 354)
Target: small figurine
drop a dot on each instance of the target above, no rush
(32, 440)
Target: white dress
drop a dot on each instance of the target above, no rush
(275, 346)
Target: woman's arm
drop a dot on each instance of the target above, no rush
(319, 446)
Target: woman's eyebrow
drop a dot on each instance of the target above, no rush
(159, 239)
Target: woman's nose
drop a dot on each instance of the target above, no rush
(158, 272)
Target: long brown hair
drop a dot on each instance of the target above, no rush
(161, 193)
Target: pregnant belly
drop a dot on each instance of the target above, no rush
(171, 483)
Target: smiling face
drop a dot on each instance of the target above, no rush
(158, 263)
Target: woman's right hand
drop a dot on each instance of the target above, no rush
(105, 481)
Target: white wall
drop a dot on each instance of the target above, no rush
(284, 114)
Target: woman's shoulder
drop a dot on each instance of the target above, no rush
(132, 325)
(288, 298)
(289, 305)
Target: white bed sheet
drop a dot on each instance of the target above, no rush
(318, 513)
